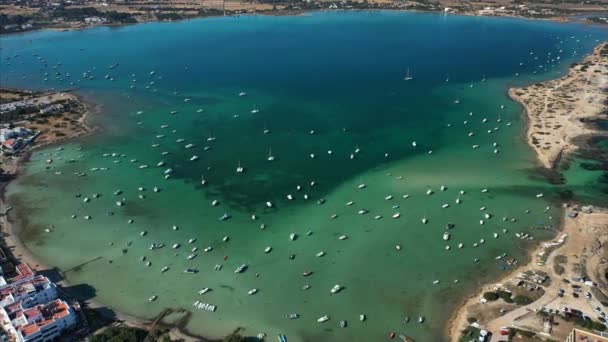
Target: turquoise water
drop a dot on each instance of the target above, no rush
(319, 82)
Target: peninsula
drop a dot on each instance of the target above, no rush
(563, 286)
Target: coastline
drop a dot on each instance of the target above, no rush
(298, 12)
(17, 250)
(572, 132)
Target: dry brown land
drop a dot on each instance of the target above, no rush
(583, 239)
(556, 109)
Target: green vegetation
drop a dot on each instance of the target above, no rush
(78, 14)
(490, 296)
(522, 300)
(469, 334)
(127, 334)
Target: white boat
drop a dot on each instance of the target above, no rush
(343, 237)
(293, 236)
(443, 188)
(193, 158)
(267, 249)
(269, 204)
(444, 206)
(204, 290)
(398, 247)
(143, 233)
(191, 256)
(424, 220)
(208, 249)
(460, 245)
(362, 317)
(192, 240)
(388, 198)
(176, 246)
(270, 156)
(539, 195)
(408, 76)
(361, 186)
(119, 203)
(252, 291)
(337, 288)
(446, 236)
(203, 181)
(241, 268)
(152, 298)
(320, 254)
(215, 203)
(421, 319)
(242, 93)
(239, 168)
(429, 192)
(290, 197)
(396, 215)
(156, 189)
(164, 269)
(323, 319)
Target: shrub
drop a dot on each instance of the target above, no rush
(522, 300)
(490, 296)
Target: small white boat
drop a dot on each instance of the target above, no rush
(343, 237)
(337, 288)
(429, 192)
(176, 246)
(252, 291)
(269, 204)
(193, 158)
(320, 254)
(446, 236)
(362, 317)
(191, 256)
(267, 249)
(164, 269)
(425, 220)
(293, 236)
(323, 319)
(361, 186)
(152, 298)
(204, 290)
(270, 156)
(396, 215)
(192, 240)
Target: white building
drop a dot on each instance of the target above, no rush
(40, 323)
(37, 291)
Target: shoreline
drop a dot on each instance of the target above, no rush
(576, 133)
(282, 12)
(18, 251)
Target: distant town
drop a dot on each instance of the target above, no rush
(25, 15)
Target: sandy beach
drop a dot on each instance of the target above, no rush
(557, 109)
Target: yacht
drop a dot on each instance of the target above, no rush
(323, 319)
(362, 317)
(269, 204)
(421, 319)
(320, 254)
(408, 76)
(343, 237)
(293, 236)
(267, 249)
(192, 240)
(337, 288)
(424, 220)
(176, 246)
(193, 158)
(306, 273)
(240, 169)
(361, 186)
(241, 268)
(164, 269)
(191, 256)
(252, 291)
(293, 316)
(270, 156)
(343, 324)
(446, 236)
(396, 215)
(153, 298)
(204, 290)
(203, 180)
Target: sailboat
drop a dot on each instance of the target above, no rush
(239, 168)
(408, 76)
